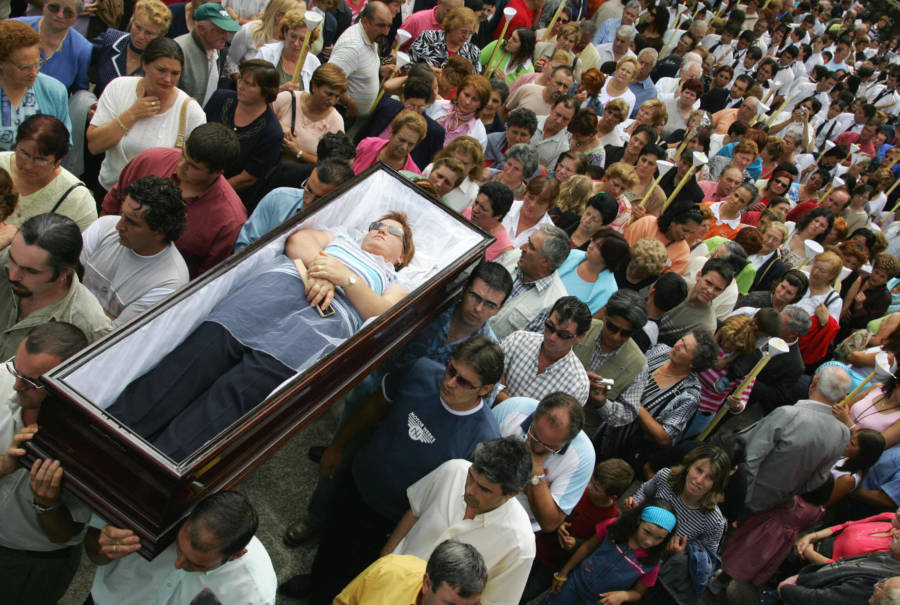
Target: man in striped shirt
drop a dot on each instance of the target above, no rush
(356, 53)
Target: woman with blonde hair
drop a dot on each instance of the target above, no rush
(468, 151)
(573, 196)
(436, 46)
(119, 54)
(255, 34)
(616, 87)
(617, 179)
(566, 39)
(652, 112)
(306, 117)
(285, 53)
(608, 127)
(407, 130)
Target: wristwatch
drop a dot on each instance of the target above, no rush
(536, 479)
(42, 510)
(351, 281)
(300, 155)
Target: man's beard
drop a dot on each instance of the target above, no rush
(23, 292)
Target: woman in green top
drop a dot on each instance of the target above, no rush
(514, 57)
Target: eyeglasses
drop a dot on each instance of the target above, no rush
(30, 68)
(782, 184)
(54, 8)
(613, 328)
(31, 382)
(466, 32)
(478, 300)
(548, 325)
(533, 437)
(392, 229)
(453, 373)
(34, 159)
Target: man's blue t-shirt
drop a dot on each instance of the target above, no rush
(417, 435)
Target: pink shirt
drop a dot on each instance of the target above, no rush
(850, 138)
(502, 241)
(855, 537)
(419, 22)
(709, 191)
(367, 154)
(866, 415)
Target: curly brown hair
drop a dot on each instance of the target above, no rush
(9, 197)
(16, 35)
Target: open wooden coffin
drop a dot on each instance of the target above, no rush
(130, 483)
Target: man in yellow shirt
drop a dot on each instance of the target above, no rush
(455, 573)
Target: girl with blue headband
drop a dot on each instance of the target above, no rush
(620, 562)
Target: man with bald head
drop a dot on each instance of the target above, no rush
(427, 20)
(668, 87)
(719, 191)
(723, 119)
(356, 53)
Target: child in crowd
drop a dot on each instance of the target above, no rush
(598, 503)
(620, 561)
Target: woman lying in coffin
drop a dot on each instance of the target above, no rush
(265, 330)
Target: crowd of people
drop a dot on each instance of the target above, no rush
(672, 379)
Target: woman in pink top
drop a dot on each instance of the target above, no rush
(459, 116)
(491, 205)
(878, 408)
(306, 117)
(407, 130)
(872, 534)
(672, 228)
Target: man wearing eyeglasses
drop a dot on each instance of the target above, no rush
(42, 528)
(540, 363)
(562, 456)
(427, 415)
(608, 352)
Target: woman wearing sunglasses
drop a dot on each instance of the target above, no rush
(22, 86)
(65, 53)
(299, 307)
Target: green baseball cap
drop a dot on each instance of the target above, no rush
(218, 15)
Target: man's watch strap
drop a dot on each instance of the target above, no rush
(537, 479)
(42, 510)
